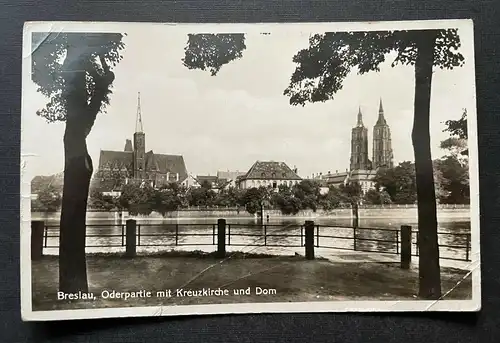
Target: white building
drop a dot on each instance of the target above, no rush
(268, 174)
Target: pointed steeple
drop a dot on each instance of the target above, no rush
(360, 118)
(381, 118)
(138, 123)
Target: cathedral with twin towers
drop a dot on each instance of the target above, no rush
(382, 147)
(363, 169)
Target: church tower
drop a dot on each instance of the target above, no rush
(359, 146)
(382, 146)
(139, 144)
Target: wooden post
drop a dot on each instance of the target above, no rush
(405, 246)
(37, 230)
(355, 213)
(309, 239)
(176, 234)
(467, 247)
(130, 238)
(221, 238)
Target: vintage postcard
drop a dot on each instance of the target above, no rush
(175, 169)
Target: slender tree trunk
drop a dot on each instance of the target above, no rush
(429, 270)
(77, 173)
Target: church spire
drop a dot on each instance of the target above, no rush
(138, 123)
(360, 118)
(381, 118)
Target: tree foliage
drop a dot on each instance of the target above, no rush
(330, 58)
(454, 181)
(458, 134)
(453, 168)
(399, 182)
(100, 201)
(96, 54)
(377, 197)
(48, 200)
(212, 51)
(458, 128)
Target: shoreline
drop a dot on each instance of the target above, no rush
(443, 213)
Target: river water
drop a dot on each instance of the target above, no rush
(378, 233)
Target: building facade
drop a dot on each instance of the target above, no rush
(135, 164)
(268, 174)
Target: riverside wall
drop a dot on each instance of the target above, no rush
(401, 211)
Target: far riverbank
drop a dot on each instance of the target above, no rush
(374, 212)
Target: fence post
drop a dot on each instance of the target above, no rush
(405, 246)
(467, 247)
(309, 239)
(176, 234)
(37, 230)
(130, 238)
(355, 215)
(221, 238)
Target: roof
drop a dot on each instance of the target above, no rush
(337, 177)
(116, 160)
(166, 164)
(354, 175)
(162, 163)
(270, 170)
(128, 146)
(229, 175)
(208, 178)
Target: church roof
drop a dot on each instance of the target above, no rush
(271, 170)
(381, 119)
(116, 160)
(162, 163)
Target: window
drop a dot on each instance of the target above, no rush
(275, 184)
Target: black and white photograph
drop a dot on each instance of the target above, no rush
(182, 169)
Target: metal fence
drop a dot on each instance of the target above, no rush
(453, 246)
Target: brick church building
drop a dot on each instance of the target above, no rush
(135, 164)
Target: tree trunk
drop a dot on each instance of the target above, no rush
(429, 270)
(77, 174)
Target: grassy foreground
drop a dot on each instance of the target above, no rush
(292, 277)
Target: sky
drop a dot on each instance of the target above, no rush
(228, 121)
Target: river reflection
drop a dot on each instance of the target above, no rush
(374, 234)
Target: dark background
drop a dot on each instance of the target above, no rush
(440, 327)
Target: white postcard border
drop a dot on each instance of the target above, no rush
(241, 308)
